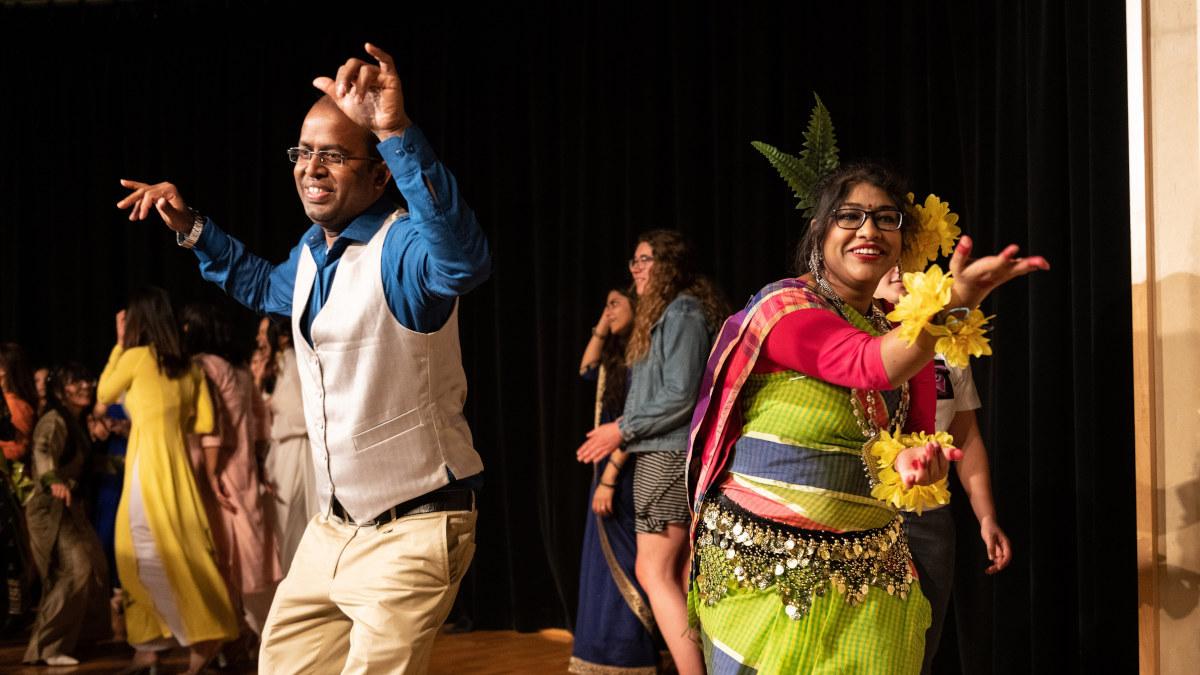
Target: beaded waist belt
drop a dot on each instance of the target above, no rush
(735, 548)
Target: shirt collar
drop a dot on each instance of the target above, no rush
(360, 230)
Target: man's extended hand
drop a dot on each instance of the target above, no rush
(163, 197)
(369, 95)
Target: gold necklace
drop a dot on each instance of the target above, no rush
(863, 402)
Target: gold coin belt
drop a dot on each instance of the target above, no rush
(736, 549)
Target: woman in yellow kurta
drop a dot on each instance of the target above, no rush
(164, 547)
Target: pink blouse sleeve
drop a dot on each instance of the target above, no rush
(820, 343)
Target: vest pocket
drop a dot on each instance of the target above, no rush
(386, 431)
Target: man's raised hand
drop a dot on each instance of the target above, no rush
(369, 95)
(163, 197)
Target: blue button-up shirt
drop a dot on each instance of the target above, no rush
(431, 255)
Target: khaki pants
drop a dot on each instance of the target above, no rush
(367, 599)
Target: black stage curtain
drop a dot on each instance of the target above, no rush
(571, 127)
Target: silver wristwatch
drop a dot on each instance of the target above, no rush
(193, 236)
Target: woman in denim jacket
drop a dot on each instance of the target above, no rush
(672, 335)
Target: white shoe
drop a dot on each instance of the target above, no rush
(61, 660)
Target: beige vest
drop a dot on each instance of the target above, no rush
(383, 404)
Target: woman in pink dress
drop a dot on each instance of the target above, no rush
(228, 464)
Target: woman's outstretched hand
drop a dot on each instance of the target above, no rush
(974, 279)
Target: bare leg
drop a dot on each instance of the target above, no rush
(200, 654)
(145, 657)
(660, 559)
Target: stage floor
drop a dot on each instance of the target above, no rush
(483, 652)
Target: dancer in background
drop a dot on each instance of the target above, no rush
(672, 333)
(228, 464)
(68, 555)
(21, 395)
(614, 626)
(173, 589)
(17, 417)
(932, 533)
(111, 431)
(289, 460)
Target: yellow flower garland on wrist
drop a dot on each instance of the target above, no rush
(926, 295)
(890, 487)
(959, 339)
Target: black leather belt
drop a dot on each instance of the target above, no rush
(455, 499)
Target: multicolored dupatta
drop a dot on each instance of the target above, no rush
(717, 420)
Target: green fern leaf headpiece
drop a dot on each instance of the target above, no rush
(818, 158)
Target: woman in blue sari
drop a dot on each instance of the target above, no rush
(614, 628)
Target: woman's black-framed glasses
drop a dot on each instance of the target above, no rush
(888, 219)
(324, 157)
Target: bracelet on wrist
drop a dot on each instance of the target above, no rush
(609, 485)
(888, 486)
(959, 330)
(189, 240)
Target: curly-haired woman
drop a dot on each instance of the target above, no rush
(678, 311)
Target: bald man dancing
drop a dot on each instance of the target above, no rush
(372, 290)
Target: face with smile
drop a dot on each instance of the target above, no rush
(335, 194)
(77, 395)
(619, 312)
(641, 265)
(855, 260)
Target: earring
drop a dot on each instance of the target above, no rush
(816, 263)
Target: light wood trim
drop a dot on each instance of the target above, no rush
(1145, 359)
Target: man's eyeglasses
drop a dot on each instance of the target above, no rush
(324, 157)
(888, 219)
(640, 261)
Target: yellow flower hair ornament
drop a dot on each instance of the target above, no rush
(889, 486)
(936, 231)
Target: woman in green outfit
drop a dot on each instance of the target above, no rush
(797, 567)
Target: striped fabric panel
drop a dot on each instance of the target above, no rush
(800, 410)
(804, 506)
(734, 353)
(834, 470)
